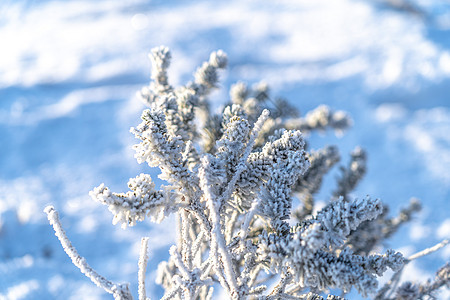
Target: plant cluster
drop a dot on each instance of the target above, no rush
(242, 184)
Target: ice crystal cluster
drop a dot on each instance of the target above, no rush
(242, 184)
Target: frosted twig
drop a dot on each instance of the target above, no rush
(286, 276)
(218, 244)
(160, 59)
(215, 230)
(391, 285)
(143, 259)
(119, 291)
(352, 174)
(210, 293)
(256, 129)
(185, 239)
(196, 246)
(254, 275)
(297, 286)
(231, 222)
(248, 149)
(257, 290)
(248, 219)
(206, 268)
(179, 262)
(172, 293)
(428, 250)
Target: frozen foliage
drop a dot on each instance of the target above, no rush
(132, 206)
(242, 184)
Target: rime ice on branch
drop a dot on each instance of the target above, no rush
(242, 184)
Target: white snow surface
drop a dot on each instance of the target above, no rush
(69, 71)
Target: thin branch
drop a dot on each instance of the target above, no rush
(120, 291)
(179, 262)
(392, 284)
(172, 293)
(143, 260)
(248, 218)
(186, 241)
(429, 250)
(218, 245)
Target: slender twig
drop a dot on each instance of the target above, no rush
(172, 293)
(428, 250)
(197, 246)
(218, 245)
(278, 289)
(248, 219)
(392, 284)
(185, 239)
(179, 262)
(120, 291)
(143, 260)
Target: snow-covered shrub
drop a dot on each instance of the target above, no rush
(242, 184)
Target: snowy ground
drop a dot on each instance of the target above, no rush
(69, 71)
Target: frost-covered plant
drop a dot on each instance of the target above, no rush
(242, 184)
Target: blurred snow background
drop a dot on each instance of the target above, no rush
(69, 71)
